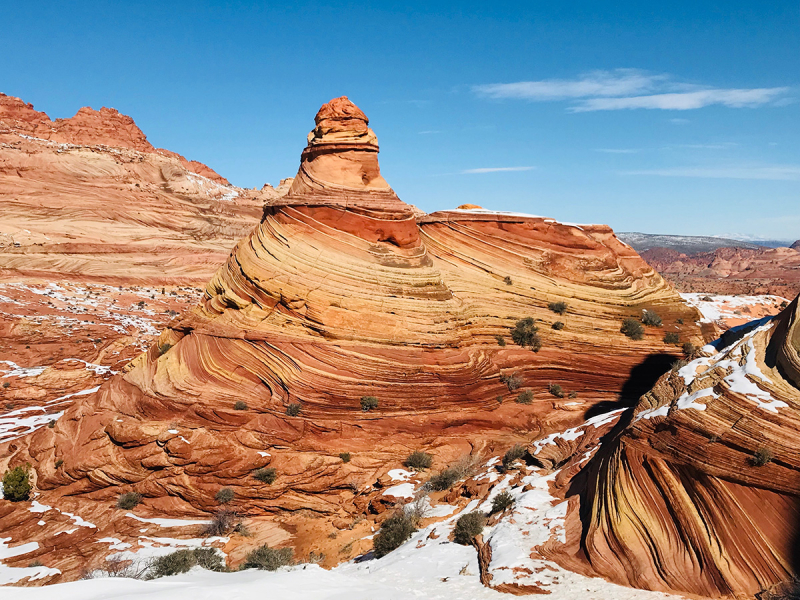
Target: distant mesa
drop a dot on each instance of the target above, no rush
(796, 245)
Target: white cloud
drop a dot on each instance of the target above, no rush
(619, 82)
(626, 89)
(768, 172)
(733, 98)
(494, 170)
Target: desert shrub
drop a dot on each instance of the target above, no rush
(689, 348)
(468, 526)
(512, 381)
(129, 500)
(672, 338)
(266, 475)
(761, 457)
(502, 501)
(558, 325)
(181, 561)
(558, 307)
(680, 321)
(524, 332)
(507, 280)
(651, 319)
(58, 463)
(222, 522)
(369, 403)
(394, 531)
(294, 409)
(443, 480)
(556, 390)
(513, 454)
(501, 341)
(17, 484)
(6, 384)
(268, 559)
(707, 299)
(224, 495)
(524, 397)
(345, 456)
(240, 405)
(51, 424)
(632, 328)
(419, 460)
(573, 395)
(679, 364)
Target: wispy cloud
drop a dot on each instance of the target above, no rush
(715, 146)
(627, 89)
(494, 170)
(767, 172)
(617, 150)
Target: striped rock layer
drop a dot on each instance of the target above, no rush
(344, 291)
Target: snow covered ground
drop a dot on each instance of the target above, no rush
(733, 310)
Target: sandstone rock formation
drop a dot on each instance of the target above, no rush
(90, 197)
(344, 291)
(747, 271)
(698, 489)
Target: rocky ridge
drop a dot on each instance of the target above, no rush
(344, 291)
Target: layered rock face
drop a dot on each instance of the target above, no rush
(90, 198)
(699, 492)
(344, 291)
(746, 271)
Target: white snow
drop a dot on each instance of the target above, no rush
(17, 423)
(722, 307)
(15, 574)
(575, 432)
(404, 490)
(399, 475)
(17, 371)
(168, 522)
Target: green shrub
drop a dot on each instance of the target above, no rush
(558, 307)
(369, 403)
(468, 526)
(501, 341)
(761, 457)
(502, 501)
(672, 338)
(525, 397)
(240, 405)
(558, 325)
(632, 328)
(555, 390)
(443, 480)
(345, 456)
(17, 484)
(512, 381)
(181, 561)
(513, 454)
(689, 348)
(524, 332)
(129, 500)
(268, 559)
(651, 319)
(294, 409)
(573, 394)
(419, 460)
(266, 475)
(224, 495)
(394, 531)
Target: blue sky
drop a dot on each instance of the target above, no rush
(664, 117)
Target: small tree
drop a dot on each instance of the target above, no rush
(294, 409)
(268, 559)
(266, 475)
(394, 532)
(224, 495)
(524, 332)
(525, 397)
(369, 403)
(468, 527)
(556, 390)
(345, 456)
(651, 319)
(419, 460)
(632, 328)
(17, 484)
(558, 307)
(672, 338)
(129, 500)
(240, 405)
(502, 501)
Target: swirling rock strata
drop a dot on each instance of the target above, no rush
(344, 291)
